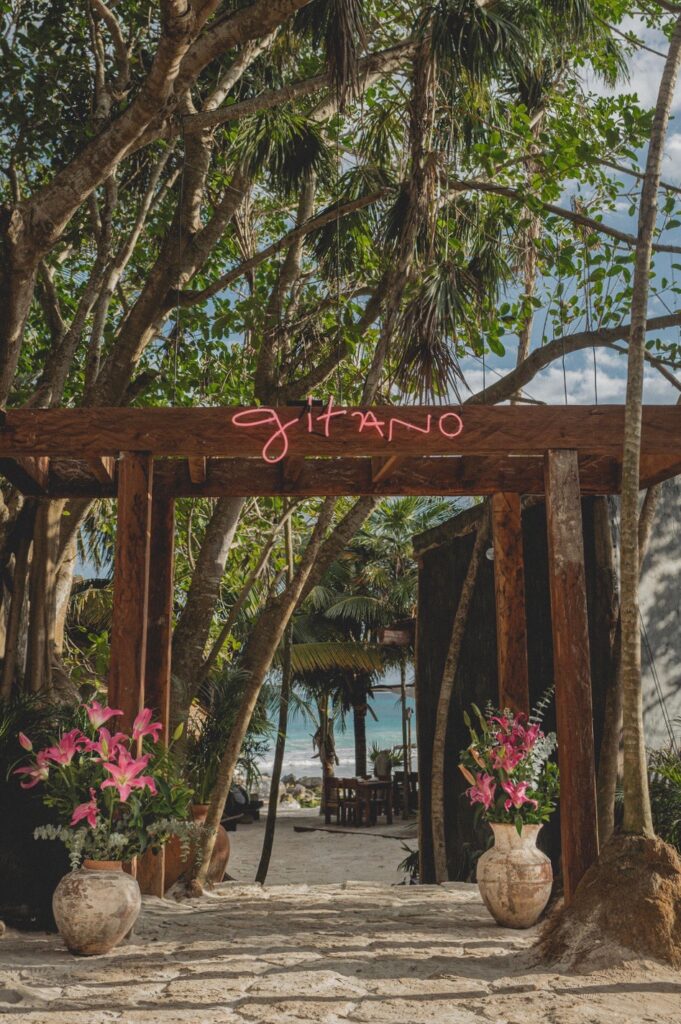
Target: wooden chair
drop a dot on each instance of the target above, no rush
(398, 785)
(341, 798)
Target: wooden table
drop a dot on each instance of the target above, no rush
(372, 793)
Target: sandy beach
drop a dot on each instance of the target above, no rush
(322, 856)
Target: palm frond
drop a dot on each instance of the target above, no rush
(340, 25)
(338, 656)
(285, 143)
(428, 362)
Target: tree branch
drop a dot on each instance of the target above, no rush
(546, 354)
(189, 298)
(471, 184)
(385, 60)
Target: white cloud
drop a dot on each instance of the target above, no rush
(551, 384)
(671, 164)
(645, 68)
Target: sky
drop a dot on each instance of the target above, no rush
(578, 380)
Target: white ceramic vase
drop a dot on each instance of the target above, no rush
(514, 877)
(96, 906)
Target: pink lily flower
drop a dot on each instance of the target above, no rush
(506, 757)
(106, 745)
(98, 715)
(25, 742)
(483, 791)
(87, 811)
(143, 726)
(67, 747)
(516, 795)
(125, 776)
(37, 772)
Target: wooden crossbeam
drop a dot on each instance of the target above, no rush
(359, 433)
(197, 466)
(350, 477)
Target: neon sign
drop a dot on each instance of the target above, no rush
(449, 424)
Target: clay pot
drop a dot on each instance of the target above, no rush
(96, 906)
(175, 866)
(514, 877)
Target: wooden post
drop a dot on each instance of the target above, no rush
(151, 866)
(131, 584)
(160, 608)
(571, 667)
(509, 590)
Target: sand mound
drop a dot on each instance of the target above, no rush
(628, 903)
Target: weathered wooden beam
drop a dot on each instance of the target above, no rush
(349, 476)
(196, 465)
(130, 586)
(29, 474)
(151, 867)
(571, 668)
(509, 589)
(382, 431)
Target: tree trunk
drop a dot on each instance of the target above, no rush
(359, 722)
(444, 701)
(284, 698)
(327, 748)
(265, 638)
(608, 764)
(11, 666)
(406, 758)
(42, 596)
(193, 627)
(637, 812)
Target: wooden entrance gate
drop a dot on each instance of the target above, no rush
(147, 458)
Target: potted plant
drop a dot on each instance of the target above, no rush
(114, 795)
(513, 786)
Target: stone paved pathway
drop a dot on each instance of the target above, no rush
(359, 952)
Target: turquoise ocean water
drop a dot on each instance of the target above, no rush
(386, 731)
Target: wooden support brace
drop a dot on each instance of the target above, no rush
(30, 475)
(131, 584)
(509, 588)
(198, 467)
(292, 469)
(382, 468)
(103, 468)
(571, 668)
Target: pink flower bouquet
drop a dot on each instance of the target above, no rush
(511, 779)
(114, 794)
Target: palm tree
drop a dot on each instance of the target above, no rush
(637, 812)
